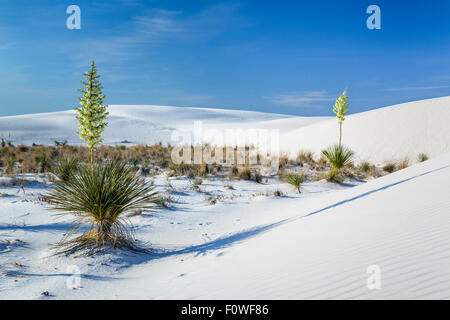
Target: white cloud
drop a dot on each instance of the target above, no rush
(302, 99)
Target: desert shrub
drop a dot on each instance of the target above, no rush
(322, 162)
(403, 164)
(283, 161)
(339, 156)
(245, 174)
(43, 162)
(100, 196)
(389, 167)
(422, 157)
(198, 181)
(234, 171)
(10, 164)
(296, 180)
(334, 175)
(364, 167)
(258, 177)
(304, 157)
(282, 174)
(65, 168)
(278, 193)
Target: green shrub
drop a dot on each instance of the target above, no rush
(422, 157)
(65, 168)
(296, 180)
(334, 175)
(99, 196)
(339, 156)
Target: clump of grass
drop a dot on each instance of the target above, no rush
(364, 167)
(278, 193)
(10, 164)
(296, 180)
(304, 157)
(403, 164)
(283, 161)
(422, 157)
(234, 171)
(65, 168)
(334, 175)
(257, 177)
(196, 184)
(100, 196)
(389, 167)
(322, 162)
(43, 162)
(339, 156)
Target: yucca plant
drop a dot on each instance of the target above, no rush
(100, 196)
(339, 156)
(65, 168)
(296, 180)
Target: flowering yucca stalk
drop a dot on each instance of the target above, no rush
(92, 114)
(340, 108)
(99, 196)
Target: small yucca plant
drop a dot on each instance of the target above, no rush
(65, 168)
(422, 157)
(100, 196)
(296, 180)
(339, 156)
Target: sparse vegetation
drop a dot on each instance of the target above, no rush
(305, 157)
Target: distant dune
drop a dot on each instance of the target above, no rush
(389, 133)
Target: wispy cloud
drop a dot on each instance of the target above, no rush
(417, 88)
(155, 27)
(132, 3)
(301, 99)
(6, 45)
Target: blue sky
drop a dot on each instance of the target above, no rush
(292, 57)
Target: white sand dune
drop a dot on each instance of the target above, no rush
(140, 124)
(390, 133)
(320, 249)
(312, 247)
(319, 244)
